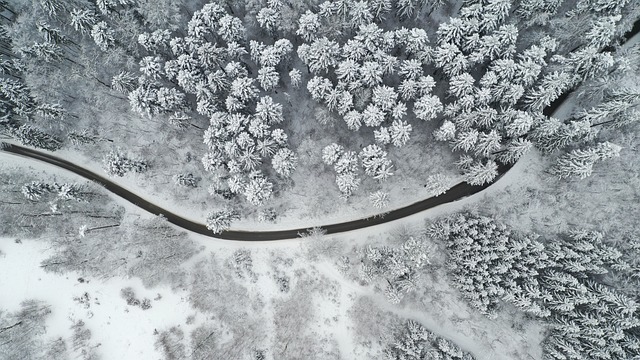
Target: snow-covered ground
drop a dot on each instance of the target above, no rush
(121, 331)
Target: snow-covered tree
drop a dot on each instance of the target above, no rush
(446, 131)
(427, 107)
(284, 162)
(31, 136)
(103, 35)
(221, 220)
(117, 164)
(308, 26)
(258, 189)
(379, 199)
(268, 77)
(488, 143)
(295, 76)
(375, 162)
(268, 18)
(400, 132)
(579, 163)
(83, 20)
(480, 173)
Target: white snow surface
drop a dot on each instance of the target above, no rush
(123, 331)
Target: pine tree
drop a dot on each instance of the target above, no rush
(347, 183)
(83, 20)
(446, 131)
(331, 153)
(427, 107)
(400, 132)
(481, 173)
(31, 136)
(268, 18)
(353, 119)
(284, 162)
(103, 35)
(268, 77)
(308, 26)
(231, 28)
(375, 162)
(219, 221)
(465, 140)
(373, 116)
(258, 189)
(579, 163)
(488, 143)
(124, 82)
(295, 76)
(379, 199)
(515, 149)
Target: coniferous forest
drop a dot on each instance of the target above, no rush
(445, 179)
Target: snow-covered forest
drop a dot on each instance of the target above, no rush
(517, 118)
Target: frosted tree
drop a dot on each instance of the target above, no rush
(465, 140)
(124, 82)
(322, 54)
(103, 35)
(308, 26)
(480, 173)
(551, 86)
(437, 184)
(186, 180)
(360, 14)
(461, 85)
(515, 149)
(221, 220)
(348, 70)
(284, 162)
(347, 183)
(268, 77)
(384, 97)
(31, 136)
(269, 111)
(427, 107)
(258, 189)
(295, 76)
(488, 143)
(446, 131)
(371, 73)
(347, 163)
(382, 135)
(268, 18)
(353, 119)
(331, 153)
(117, 164)
(579, 163)
(400, 132)
(151, 66)
(243, 89)
(83, 20)
(375, 162)
(373, 116)
(603, 31)
(231, 28)
(379, 199)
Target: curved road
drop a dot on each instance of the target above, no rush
(457, 192)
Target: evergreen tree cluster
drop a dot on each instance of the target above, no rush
(415, 342)
(562, 281)
(399, 267)
(115, 163)
(231, 81)
(36, 190)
